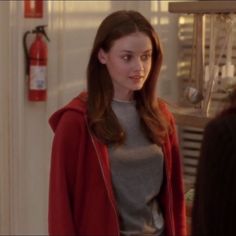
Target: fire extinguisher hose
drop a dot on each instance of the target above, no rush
(26, 52)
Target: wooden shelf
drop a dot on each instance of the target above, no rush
(203, 7)
(189, 117)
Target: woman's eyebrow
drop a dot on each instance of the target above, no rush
(130, 51)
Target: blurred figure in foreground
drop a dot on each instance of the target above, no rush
(214, 204)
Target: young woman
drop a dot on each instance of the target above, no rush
(115, 166)
(215, 193)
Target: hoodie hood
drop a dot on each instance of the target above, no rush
(78, 104)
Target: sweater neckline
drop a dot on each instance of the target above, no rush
(123, 101)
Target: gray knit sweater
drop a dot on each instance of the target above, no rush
(137, 174)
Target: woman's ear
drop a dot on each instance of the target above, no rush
(102, 56)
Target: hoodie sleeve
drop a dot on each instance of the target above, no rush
(65, 149)
(177, 184)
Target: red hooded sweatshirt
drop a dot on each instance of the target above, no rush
(81, 197)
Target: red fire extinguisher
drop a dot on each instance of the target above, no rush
(36, 64)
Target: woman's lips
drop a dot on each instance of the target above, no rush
(136, 77)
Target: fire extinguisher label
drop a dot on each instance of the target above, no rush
(38, 77)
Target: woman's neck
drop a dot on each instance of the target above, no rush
(124, 97)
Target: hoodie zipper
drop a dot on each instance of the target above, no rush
(104, 178)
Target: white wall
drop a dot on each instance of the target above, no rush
(4, 119)
(28, 137)
(26, 144)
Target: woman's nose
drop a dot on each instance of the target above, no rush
(138, 64)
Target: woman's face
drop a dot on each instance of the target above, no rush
(128, 62)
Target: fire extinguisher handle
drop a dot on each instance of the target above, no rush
(41, 29)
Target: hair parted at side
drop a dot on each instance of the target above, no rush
(102, 120)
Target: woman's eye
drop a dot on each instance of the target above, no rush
(126, 57)
(145, 57)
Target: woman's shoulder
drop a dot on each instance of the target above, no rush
(165, 109)
(73, 112)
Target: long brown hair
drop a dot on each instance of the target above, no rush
(102, 119)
